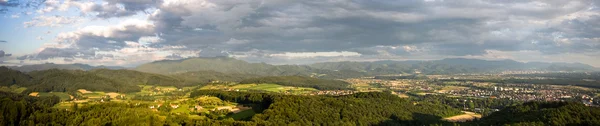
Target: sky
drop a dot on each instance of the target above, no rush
(133, 32)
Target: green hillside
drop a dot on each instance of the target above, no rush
(71, 80)
(233, 66)
(545, 113)
(299, 81)
(208, 76)
(218, 64)
(12, 77)
(47, 66)
(139, 78)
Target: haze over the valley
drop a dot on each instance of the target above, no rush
(130, 33)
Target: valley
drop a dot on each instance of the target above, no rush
(305, 97)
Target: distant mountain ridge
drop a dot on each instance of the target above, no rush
(344, 69)
(61, 80)
(451, 65)
(234, 66)
(47, 66)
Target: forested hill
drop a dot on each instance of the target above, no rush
(374, 108)
(96, 80)
(47, 66)
(300, 81)
(367, 108)
(209, 76)
(136, 77)
(72, 80)
(233, 66)
(545, 114)
(11, 77)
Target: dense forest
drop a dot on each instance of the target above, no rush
(299, 81)
(16, 109)
(356, 109)
(277, 109)
(13, 77)
(72, 80)
(96, 80)
(545, 113)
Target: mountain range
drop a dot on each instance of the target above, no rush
(450, 66)
(227, 65)
(46, 66)
(353, 69)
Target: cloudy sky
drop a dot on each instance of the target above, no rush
(131, 32)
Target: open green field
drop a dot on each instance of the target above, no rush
(265, 87)
(63, 105)
(14, 89)
(262, 87)
(196, 117)
(273, 88)
(151, 89)
(243, 114)
(61, 95)
(183, 108)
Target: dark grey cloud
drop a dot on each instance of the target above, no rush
(112, 38)
(7, 5)
(311, 25)
(4, 54)
(24, 57)
(373, 28)
(174, 56)
(48, 53)
(2, 41)
(136, 5)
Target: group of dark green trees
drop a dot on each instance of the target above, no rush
(275, 109)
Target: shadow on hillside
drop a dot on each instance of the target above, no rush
(419, 119)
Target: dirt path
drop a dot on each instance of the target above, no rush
(468, 116)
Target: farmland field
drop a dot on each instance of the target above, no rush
(262, 87)
(61, 95)
(63, 105)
